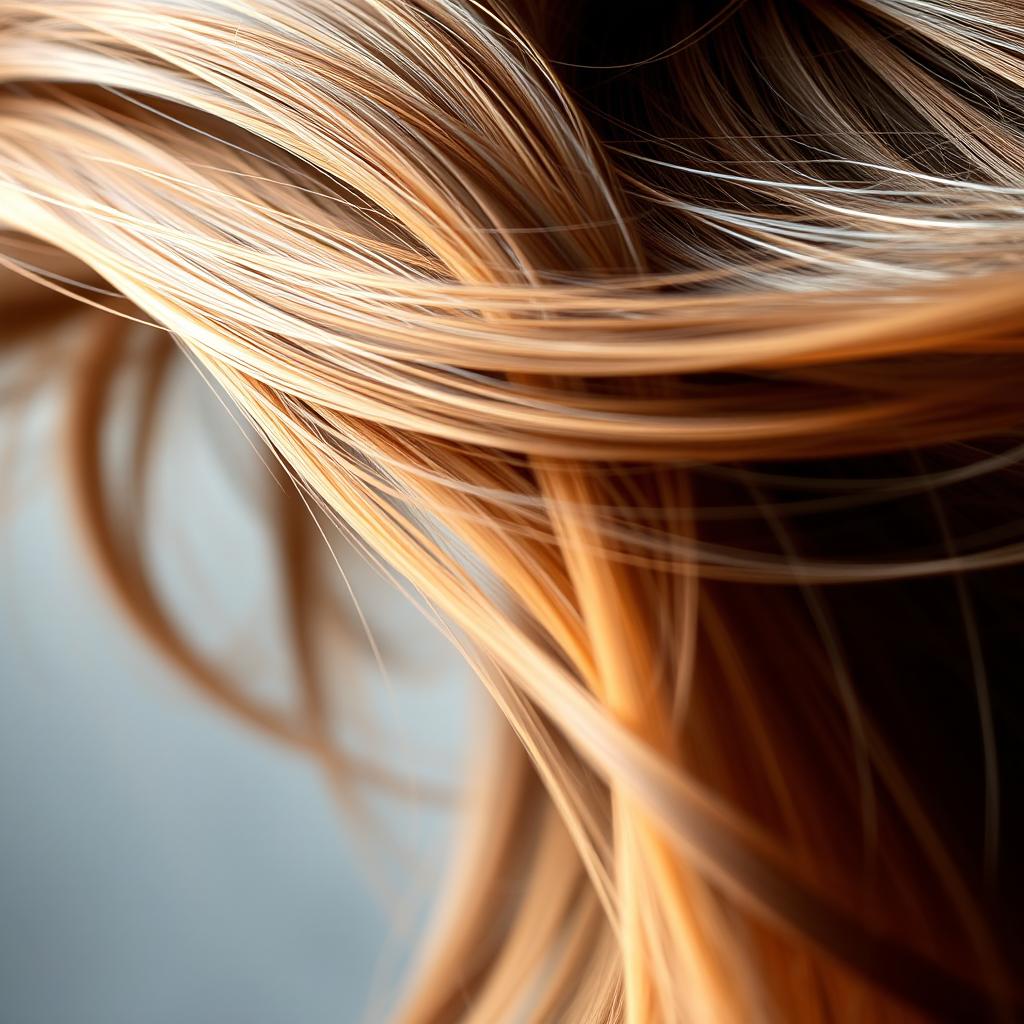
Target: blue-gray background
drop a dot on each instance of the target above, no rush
(160, 864)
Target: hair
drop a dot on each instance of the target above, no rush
(672, 354)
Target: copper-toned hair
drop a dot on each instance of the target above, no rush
(673, 354)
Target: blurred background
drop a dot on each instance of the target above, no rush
(160, 862)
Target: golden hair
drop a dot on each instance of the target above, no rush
(661, 351)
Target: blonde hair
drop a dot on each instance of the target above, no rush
(598, 344)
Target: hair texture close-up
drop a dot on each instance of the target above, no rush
(671, 356)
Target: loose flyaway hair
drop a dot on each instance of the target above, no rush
(672, 355)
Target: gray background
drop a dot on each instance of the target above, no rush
(159, 863)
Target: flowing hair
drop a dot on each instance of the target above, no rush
(672, 355)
